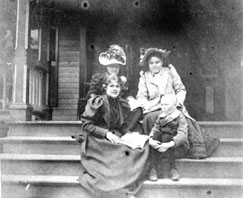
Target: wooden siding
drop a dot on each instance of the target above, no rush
(68, 75)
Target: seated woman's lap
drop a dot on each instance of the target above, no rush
(113, 167)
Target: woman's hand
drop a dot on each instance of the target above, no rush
(165, 146)
(154, 143)
(112, 137)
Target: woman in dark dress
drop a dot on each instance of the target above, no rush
(110, 168)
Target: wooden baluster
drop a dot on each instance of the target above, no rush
(4, 91)
(35, 88)
(30, 87)
(40, 77)
(47, 89)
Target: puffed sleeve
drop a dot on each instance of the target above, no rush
(178, 86)
(142, 95)
(96, 85)
(182, 131)
(89, 117)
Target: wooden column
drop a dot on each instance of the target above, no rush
(0, 178)
(43, 57)
(241, 91)
(20, 110)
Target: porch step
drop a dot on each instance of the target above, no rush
(68, 128)
(42, 186)
(224, 129)
(221, 129)
(38, 164)
(40, 145)
(45, 128)
(228, 147)
(54, 155)
(193, 187)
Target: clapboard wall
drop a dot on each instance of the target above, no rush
(68, 74)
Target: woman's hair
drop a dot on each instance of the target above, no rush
(160, 56)
(112, 78)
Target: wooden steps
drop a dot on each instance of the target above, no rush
(224, 129)
(41, 159)
(217, 167)
(44, 128)
(193, 187)
(40, 186)
(229, 147)
(68, 186)
(38, 145)
(221, 129)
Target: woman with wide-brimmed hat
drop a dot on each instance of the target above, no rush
(158, 79)
(111, 60)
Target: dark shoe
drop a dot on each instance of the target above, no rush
(153, 175)
(174, 175)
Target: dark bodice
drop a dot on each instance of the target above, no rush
(115, 116)
(103, 114)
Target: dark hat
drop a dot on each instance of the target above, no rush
(115, 55)
(150, 51)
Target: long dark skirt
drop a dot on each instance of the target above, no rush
(202, 144)
(112, 170)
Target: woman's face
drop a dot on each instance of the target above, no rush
(113, 69)
(113, 89)
(155, 64)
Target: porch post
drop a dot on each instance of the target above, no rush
(241, 91)
(20, 110)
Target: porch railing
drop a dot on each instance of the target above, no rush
(38, 90)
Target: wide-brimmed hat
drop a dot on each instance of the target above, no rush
(150, 51)
(115, 55)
